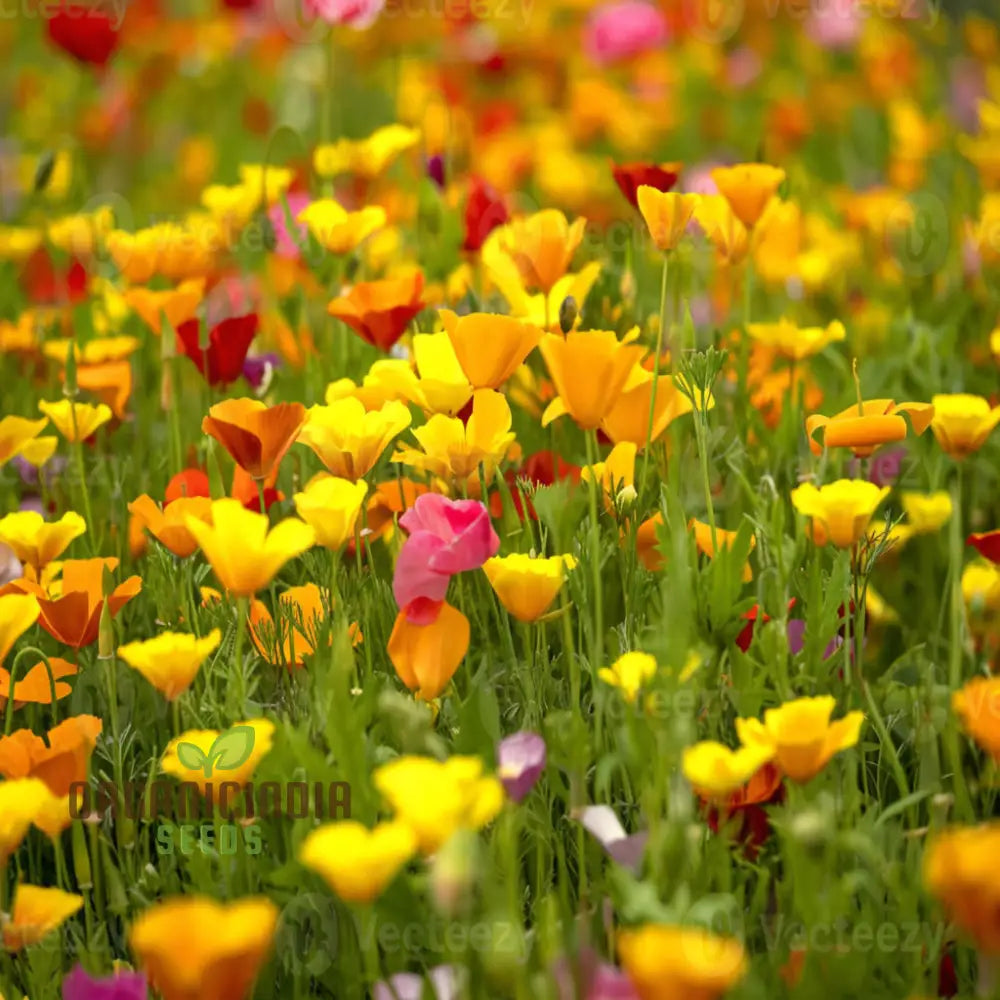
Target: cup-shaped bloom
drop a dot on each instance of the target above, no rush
(665, 961)
(960, 870)
(37, 542)
(426, 655)
(705, 539)
(60, 763)
(876, 422)
(489, 348)
(455, 450)
(175, 305)
(338, 230)
(243, 550)
(34, 686)
(793, 342)
(332, 506)
(74, 617)
(442, 386)
(589, 369)
(76, 421)
(722, 227)
(962, 422)
(630, 673)
(225, 945)
(20, 802)
(256, 435)
(380, 311)
(525, 585)
(171, 661)
(615, 475)
(122, 985)
(37, 912)
(748, 187)
(348, 439)
(839, 512)
(435, 798)
(173, 764)
(521, 760)
(461, 529)
(16, 433)
(801, 736)
(666, 214)
(542, 246)
(977, 704)
(221, 361)
(716, 772)
(628, 418)
(369, 157)
(169, 525)
(358, 863)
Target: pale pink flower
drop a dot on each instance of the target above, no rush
(356, 14)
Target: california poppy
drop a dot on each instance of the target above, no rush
(256, 435)
(221, 362)
(380, 311)
(631, 176)
(87, 33)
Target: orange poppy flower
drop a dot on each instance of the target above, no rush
(704, 542)
(34, 687)
(865, 428)
(110, 382)
(74, 617)
(380, 311)
(257, 436)
(169, 525)
(427, 656)
(389, 500)
(542, 246)
(286, 644)
(60, 762)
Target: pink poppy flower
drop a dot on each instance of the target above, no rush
(445, 537)
(622, 30)
(356, 14)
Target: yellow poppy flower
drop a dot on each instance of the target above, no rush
(839, 512)
(748, 187)
(527, 585)
(37, 542)
(666, 214)
(76, 421)
(715, 771)
(331, 506)
(629, 673)
(338, 230)
(171, 660)
(962, 423)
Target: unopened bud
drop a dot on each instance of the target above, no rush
(810, 828)
(43, 173)
(568, 313)
(106, 636)
(81, 857)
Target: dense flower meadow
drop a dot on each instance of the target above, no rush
(499, 499)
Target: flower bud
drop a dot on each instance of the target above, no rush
(568, 313)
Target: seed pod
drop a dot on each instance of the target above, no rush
(568, 313)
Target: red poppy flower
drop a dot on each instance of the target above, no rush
(631, 176)
(542, 468)
(748, 803)
(44, 284)
(986, 544)
(189, 483)
(380, 311)
(484, 211)
(745, 637)
(88, 34)
(228, 342)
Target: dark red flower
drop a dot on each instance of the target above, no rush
(986, 544)
(631, 176)
(187, 483)
(88, 34)
(745, 637)
(44, 284)
(222, 360)
(947, 977)
(542, 468)
(747, 804)
(484, 211)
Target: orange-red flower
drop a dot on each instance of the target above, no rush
(61, 762)
(380, 311)
(257, 436)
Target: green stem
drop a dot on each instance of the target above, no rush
(242, 610)
(596, 488)
(656, 371)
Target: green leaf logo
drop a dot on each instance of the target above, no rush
(230, 749)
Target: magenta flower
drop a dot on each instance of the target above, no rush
(121, 986)
(446, 537)
(622, 30)
(520, 763)
(356, 14)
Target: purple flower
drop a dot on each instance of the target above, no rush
(884, 468)
(796, 633)
(623, 30)
(435, 170)
(596, 980)
(410, 985)
(257, 370)
(120, 986)
(520, 762)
